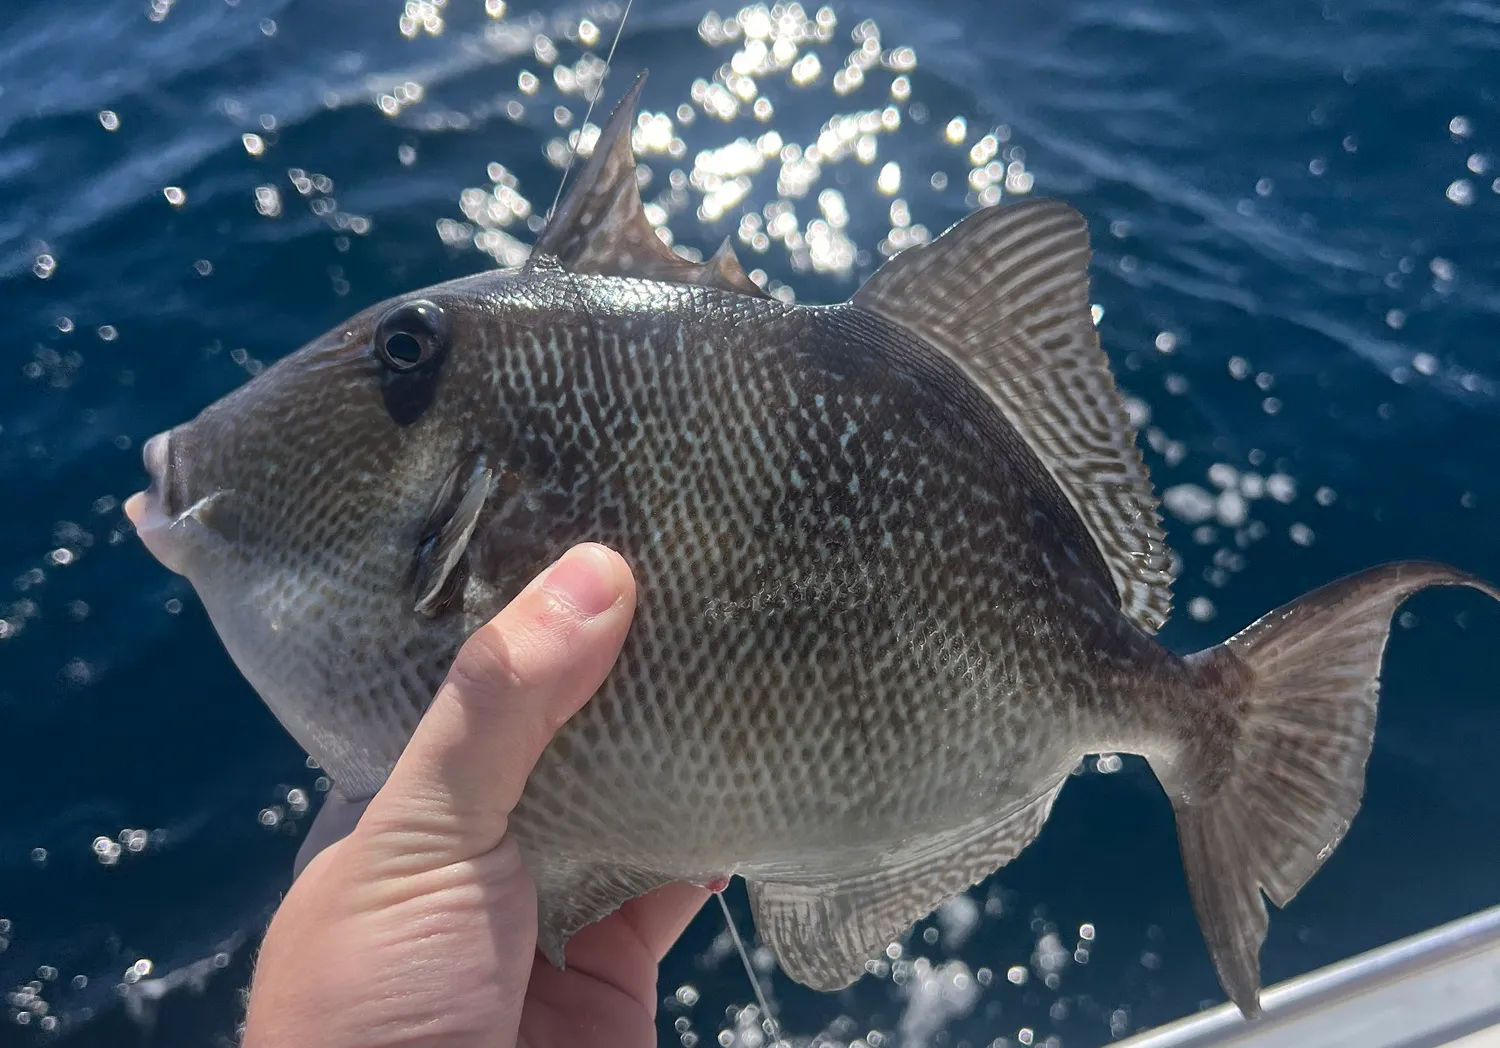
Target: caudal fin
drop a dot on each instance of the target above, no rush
(1306, 711)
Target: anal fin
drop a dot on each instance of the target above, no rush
(823, 931)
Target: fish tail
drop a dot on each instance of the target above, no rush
(1302, 685)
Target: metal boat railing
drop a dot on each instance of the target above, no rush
(1439, 988)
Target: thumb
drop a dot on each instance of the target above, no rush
(514, 683)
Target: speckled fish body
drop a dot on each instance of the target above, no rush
(898, 560)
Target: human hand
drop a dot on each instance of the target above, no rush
(419, 927)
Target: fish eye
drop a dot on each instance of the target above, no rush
(410, 335)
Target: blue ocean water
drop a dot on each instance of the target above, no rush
(1296, 216)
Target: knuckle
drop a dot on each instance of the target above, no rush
(487, 665)
(518, 651)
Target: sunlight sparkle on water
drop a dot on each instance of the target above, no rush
(426, 16)
(830, 194)
(777, 48)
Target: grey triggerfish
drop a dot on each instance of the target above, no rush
(899, 566)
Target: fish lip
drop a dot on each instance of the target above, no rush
(157, 456)
(177, 539)
(153, 526)
(171, 524)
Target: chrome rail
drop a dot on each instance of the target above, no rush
(1429, 990)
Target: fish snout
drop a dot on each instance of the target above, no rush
(157, 456)
(158, 512)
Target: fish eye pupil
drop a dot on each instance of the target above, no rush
(402, 348)
(410, 335)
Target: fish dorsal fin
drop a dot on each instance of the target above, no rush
(824, 931)
(601, 225)
(1005, 294)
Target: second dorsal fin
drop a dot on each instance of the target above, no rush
(1005, 295)
(601, 225)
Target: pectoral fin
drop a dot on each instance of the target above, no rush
(824, 931)
(446, 538)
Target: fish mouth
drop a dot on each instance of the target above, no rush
(157, 455)
(169, 522)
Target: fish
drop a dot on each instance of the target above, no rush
(899, 560)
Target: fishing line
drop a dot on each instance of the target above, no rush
(772, 1027)
(609, 62)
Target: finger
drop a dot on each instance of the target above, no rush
(660, 918)
(514, 683)
(624, 949)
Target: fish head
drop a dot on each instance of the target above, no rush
(323, 510)
(307, 506)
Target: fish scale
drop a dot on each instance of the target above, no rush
(922, 670)
(898, 563)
